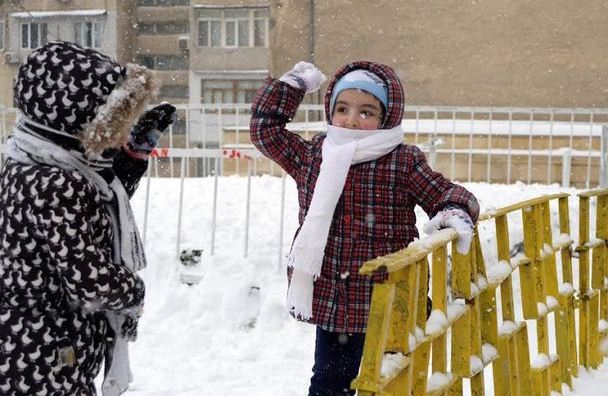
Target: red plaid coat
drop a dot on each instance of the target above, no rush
(375, 214)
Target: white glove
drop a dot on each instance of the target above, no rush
(459, 221)
(304, 76)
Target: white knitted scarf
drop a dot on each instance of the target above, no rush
(341, 149)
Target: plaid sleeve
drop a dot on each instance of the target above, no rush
(433, 192)
(275, 104)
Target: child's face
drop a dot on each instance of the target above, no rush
(355, 109)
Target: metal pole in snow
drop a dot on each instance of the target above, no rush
(171, 146)
(214, 217)
(530, 146)
(433, 144)
(181, 205)
(566, 162)
(147, 204)
(604, 158)
(247, 211)
(590, 147)
(281, 221)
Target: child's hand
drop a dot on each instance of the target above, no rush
(305, 76)
(146, 132)
(459, 221)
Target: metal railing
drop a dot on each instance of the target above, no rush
(467, 144)
(484, 144)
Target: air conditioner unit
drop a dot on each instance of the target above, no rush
(182, 43)
(11, 57)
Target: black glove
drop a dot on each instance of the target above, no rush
(146, 132)
(128, 329)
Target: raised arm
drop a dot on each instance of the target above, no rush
(132, 161)
(275, 104)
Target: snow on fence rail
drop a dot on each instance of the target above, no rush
(486, 328)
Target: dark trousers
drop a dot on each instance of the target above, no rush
(337, 360)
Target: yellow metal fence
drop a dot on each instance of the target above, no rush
(488, 307)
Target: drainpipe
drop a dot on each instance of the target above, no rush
(311, 50)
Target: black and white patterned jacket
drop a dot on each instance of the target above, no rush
(57, 278)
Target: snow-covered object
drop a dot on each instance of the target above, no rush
(563, 239)
(507, 328)
(420, 336)
(411, 342)
(491, 211)
(518, 258)
(475, 364)
(436, 238)
(474, 289)
(482, 283)
(604, 346)
(546, 251)
(437, 322)
(438, 381)
(498, 272)
(542, 309)
(593, 242)
(459, 221)
(566, 289)
(602, 326)
(455, 310)
(304, 76)
(391, 364)
(552, 302)
(55, 14)
(488, 353)
(540, 361)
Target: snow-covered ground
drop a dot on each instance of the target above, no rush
(222, 337)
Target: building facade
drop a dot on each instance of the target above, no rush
(143, 31)
(478, 53)
(463, 53)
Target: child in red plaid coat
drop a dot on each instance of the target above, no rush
(358, 185)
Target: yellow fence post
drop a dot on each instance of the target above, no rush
(398, 325)
(439, 347)
(376, 336)
(583, 288)
(528, 273)
(566, 331)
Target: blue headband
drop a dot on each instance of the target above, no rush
(368, 85)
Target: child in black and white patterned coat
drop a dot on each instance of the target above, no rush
(69, 248)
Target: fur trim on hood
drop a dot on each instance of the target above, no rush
(396, 95)
(112, 124)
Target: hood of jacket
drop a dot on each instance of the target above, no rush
(396, 95)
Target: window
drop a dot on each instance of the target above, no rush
(260, 28)
(1, 35)
(163, 28)
(163, 62)
(229, 91)
(88, 34)
(174, 91)
(33, 35)
(163, 3)
(234, 27)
